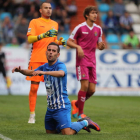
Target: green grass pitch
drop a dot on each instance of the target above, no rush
(118, 117)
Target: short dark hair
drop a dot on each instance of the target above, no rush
(43, 3)
(53, 43)
(88, 10)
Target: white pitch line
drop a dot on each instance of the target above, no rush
(4, 138)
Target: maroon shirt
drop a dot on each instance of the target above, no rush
(87, 37)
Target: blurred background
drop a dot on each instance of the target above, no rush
(118, 66)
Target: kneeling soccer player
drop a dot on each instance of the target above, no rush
(58, 115)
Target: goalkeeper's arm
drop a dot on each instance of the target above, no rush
(32, 39)
(50, 33)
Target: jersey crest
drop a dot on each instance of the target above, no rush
(95, 33)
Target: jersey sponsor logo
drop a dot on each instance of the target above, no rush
(95, 33)
(42, 26)
(85, 32)
(29, 29)
(63, 125)
(49, 88)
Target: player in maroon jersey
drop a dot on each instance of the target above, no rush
(87, 35)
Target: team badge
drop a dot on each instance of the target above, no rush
(29, 29)
(53, 27)
(83, 75)
(95, 33)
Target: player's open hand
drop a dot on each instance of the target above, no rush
(62, 41)
(51, 33)
(16, 69)
(36, 73)
(80, 52)
(101, 45)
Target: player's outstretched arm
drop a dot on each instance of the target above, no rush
(101, 45)
(60, 73)
(71, 44)
(50, 33)
(22, 71)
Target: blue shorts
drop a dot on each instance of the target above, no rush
(58, 119)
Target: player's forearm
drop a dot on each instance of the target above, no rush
(71, 44)
(55, 73)
(50, 33)
(32, 39)
(27, 72)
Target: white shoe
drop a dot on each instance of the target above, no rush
(32, 118)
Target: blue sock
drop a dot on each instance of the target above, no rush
(77, 126)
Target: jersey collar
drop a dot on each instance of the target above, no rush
(89, 26)
(47, 20)
(52, 66)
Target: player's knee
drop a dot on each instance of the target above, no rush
(84, 87)
(66, 133)
(34, 88)
(50, 132)
(92, 92)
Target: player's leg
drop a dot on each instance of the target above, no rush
(63, 118)
(81, 97)
(7, 80)
(35, 80)
(92, 82)
(75, 128)
(50, 123)
(91, 124)
(83, 76)
(51, 131)
(32, 100)
(68, 131)
(75, 109)
(91, 90)
(78, 105)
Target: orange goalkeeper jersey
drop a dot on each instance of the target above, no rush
(37, 27)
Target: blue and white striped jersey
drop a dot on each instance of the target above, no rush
(56, 87)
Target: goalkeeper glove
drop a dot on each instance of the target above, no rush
(62, 41)
(50, 33)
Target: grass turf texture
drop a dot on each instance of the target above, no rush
(118, 117)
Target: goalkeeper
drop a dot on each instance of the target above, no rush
(41, 32)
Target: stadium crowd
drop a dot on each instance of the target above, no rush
(15, 16)
(117, 23)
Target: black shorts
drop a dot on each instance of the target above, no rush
(3, 71)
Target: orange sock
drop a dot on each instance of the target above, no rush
(33, 96)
